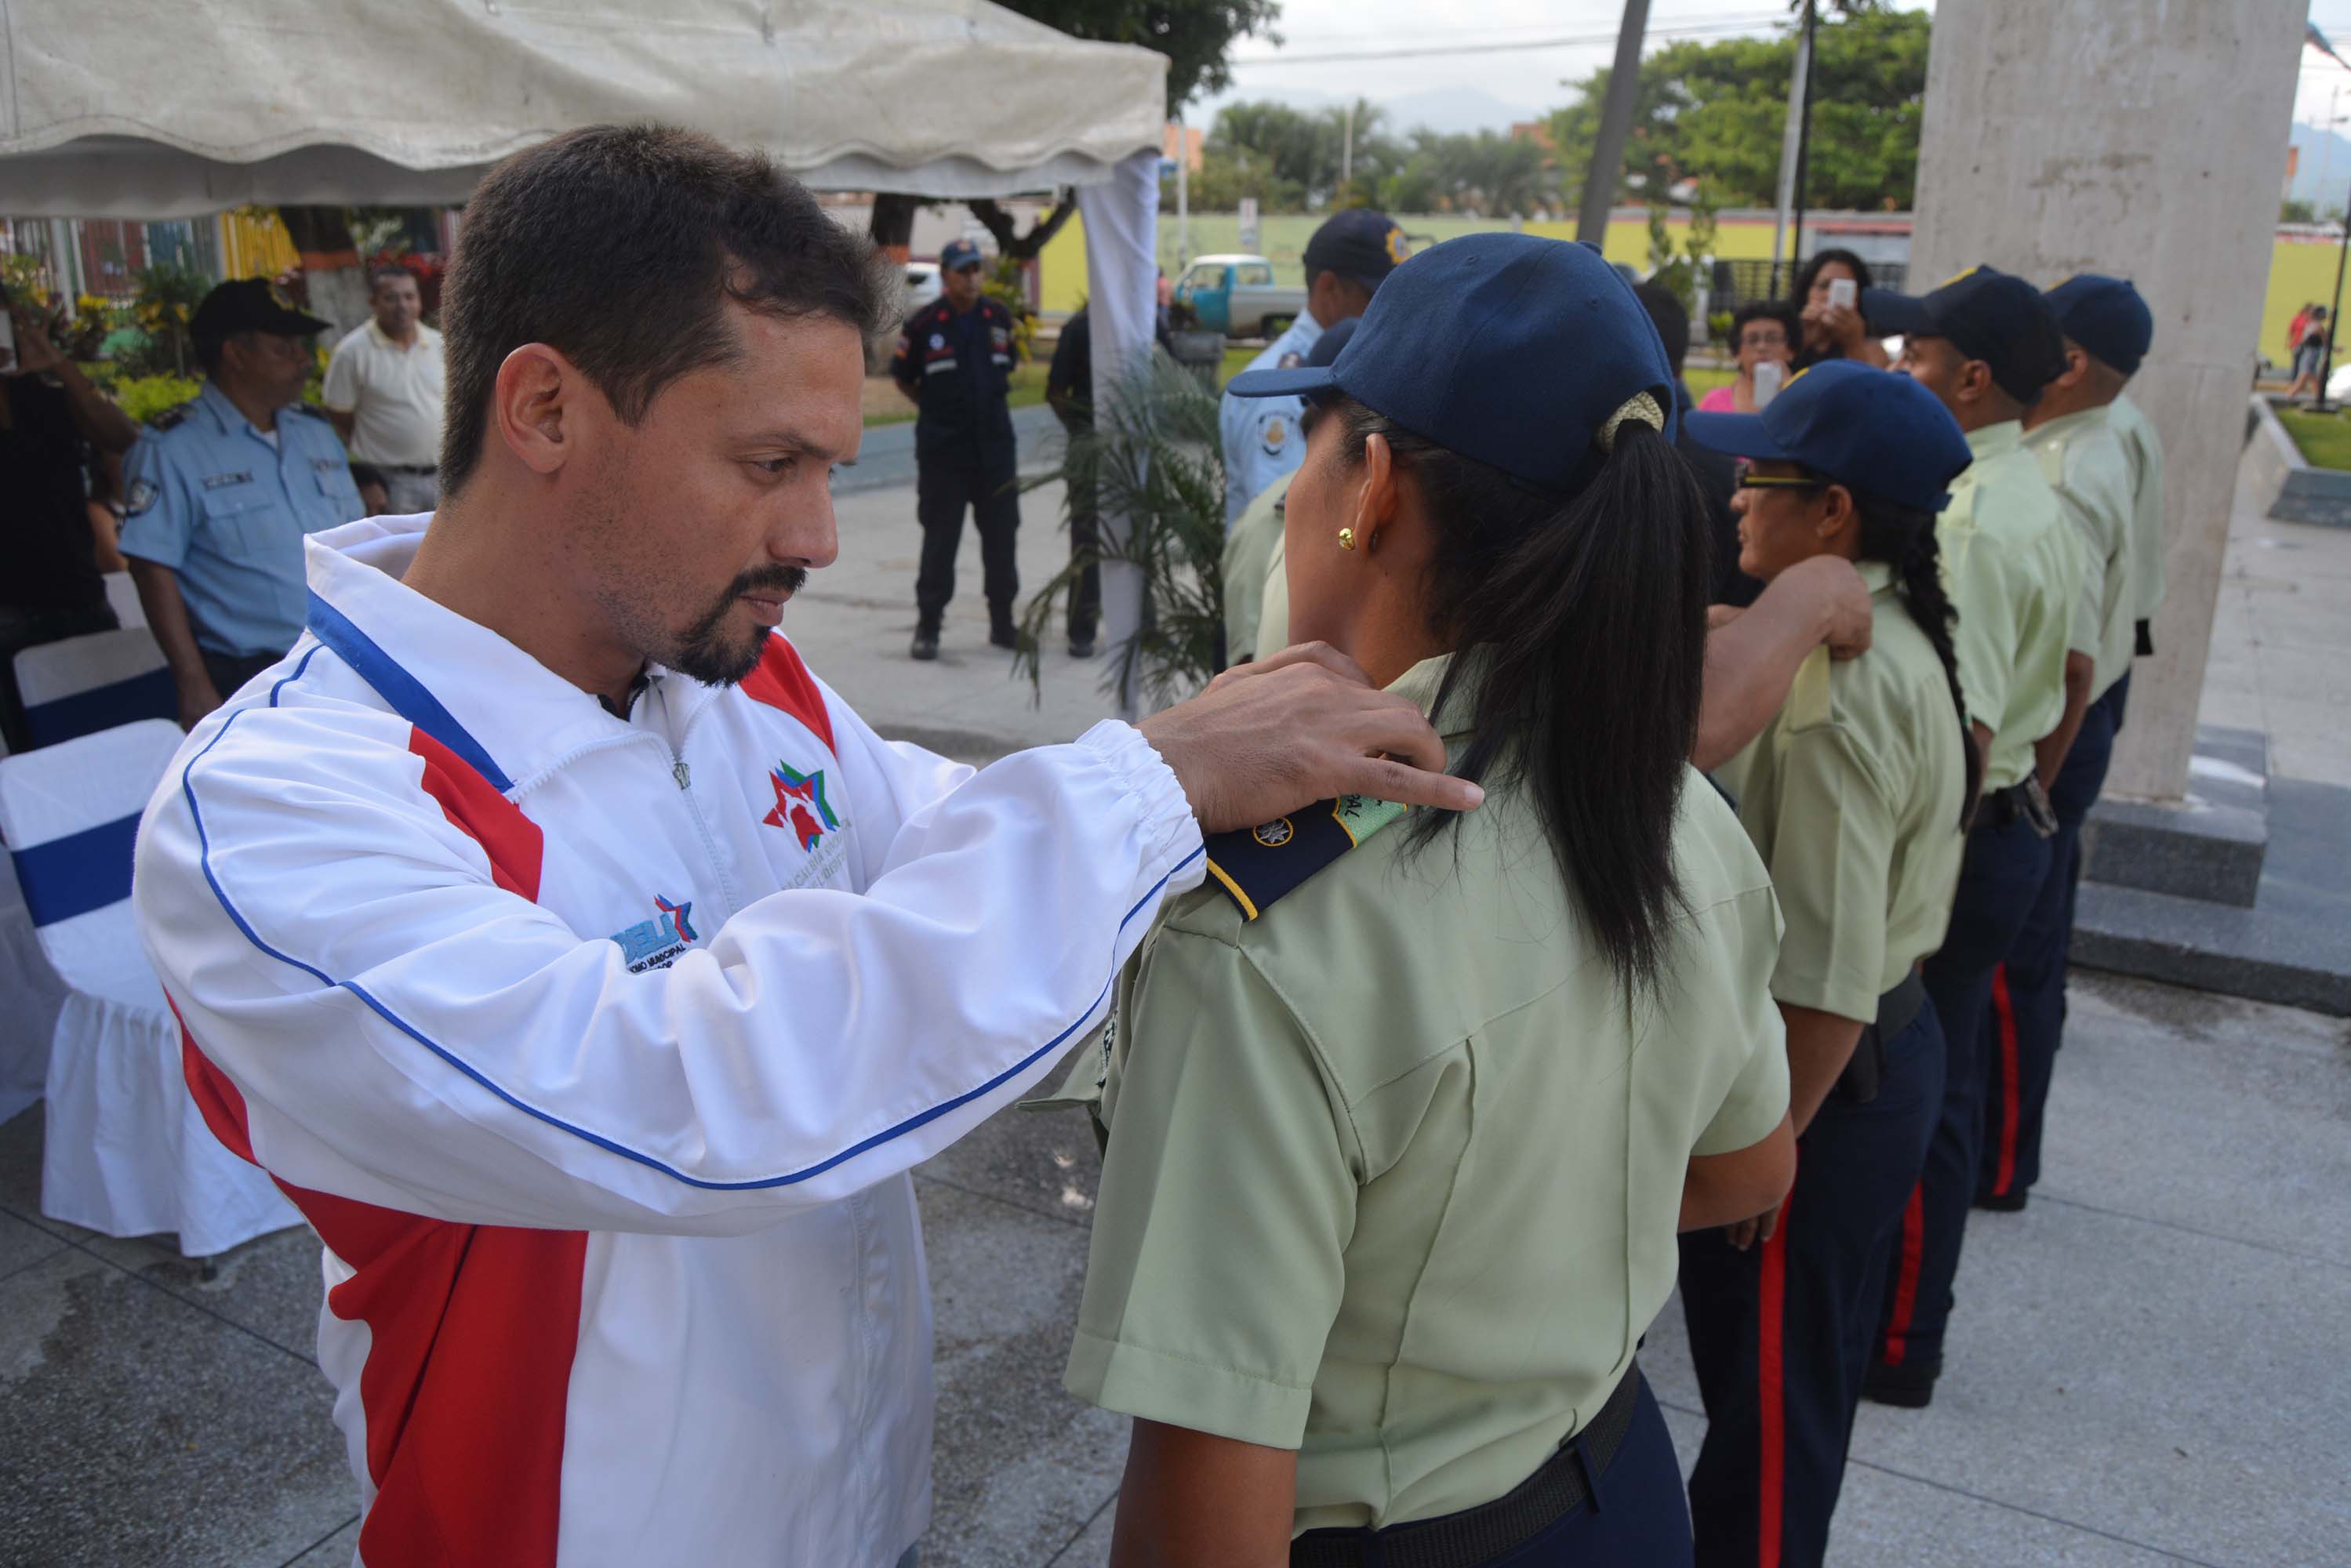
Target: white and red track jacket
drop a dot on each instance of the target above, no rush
(597, 1051)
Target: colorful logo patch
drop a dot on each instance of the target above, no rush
(800, 808)
(656, 944)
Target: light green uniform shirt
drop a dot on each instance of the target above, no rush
(1249, 553)
(1393, 1171)
(1852, 795)
(2086, 467)
(2144, 448)
(2011, 567)
(1273, 599)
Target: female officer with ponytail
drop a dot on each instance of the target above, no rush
(1403, 1113)
(1856, 795)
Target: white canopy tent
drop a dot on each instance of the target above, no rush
(130, 109)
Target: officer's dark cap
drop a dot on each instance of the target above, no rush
(1988, 315)
(250, 305)
(2106, 317)
(1359, 243)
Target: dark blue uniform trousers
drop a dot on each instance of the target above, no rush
(988, 483)
(1781, 1333)
(1635, 1518)
(2028, 995)
(2005, 865)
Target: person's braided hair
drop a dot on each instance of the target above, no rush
(1904, 539)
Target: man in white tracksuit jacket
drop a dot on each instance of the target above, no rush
(586, 971)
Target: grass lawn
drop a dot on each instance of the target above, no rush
(884, 404)
(2324, 438)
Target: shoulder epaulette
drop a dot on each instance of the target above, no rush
(169, 419)
(313, 410)
(1258, 865)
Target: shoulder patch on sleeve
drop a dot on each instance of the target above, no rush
(1259, 865)
(781, 681)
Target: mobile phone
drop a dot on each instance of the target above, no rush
(1843, 291)
(1769, 375)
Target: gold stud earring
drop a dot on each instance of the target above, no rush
(1346, 539)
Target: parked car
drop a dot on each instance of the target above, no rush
(1236, 295)
(922, 286)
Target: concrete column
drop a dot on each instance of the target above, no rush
(2144, 139)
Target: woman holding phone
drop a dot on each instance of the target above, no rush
(1393, 1172)
(1763, 335)
(1827, 297)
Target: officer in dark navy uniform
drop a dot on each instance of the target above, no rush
(955, 361)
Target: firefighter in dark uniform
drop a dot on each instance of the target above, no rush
(955, 361)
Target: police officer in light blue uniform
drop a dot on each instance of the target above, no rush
(219, 493)
(1346, 260)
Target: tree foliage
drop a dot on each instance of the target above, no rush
(1294, 160)
(1717, 111)
(1196, 36)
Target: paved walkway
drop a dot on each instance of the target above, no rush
(2147, 1366)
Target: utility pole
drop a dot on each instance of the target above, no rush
(1347, 150)
(2326, 353)
(1615, 125)
(1804, 129)
(1183, 195)
(1791, 151)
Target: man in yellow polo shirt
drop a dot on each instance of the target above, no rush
(2107, 328)
(1985, 344)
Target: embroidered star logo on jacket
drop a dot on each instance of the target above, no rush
(800, 807)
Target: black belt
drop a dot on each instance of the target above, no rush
(2025, 801)
(1481, 1534)
(1897, 1009)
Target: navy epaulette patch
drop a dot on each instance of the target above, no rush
(169, 419)
(1260, 864)
(312, 409)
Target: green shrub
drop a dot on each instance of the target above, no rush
(144, 397)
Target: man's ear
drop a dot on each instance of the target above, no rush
(1376, 504)
(1840, 522)
(1974, 383)
(538, 406)
(2077, 365)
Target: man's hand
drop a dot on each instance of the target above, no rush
(198, 698)
(1302, 726)
(1841, 599)
(34, 352)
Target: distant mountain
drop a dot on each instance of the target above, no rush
(2324, 175)
(1448, 109)
(1454, 110)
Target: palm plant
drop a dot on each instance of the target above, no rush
(1152, 461)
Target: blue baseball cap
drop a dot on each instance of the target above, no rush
(957, 253)
(1875, 432)
(1505, 348)
(2105, 315)
(1357, 242)
(1988, 315)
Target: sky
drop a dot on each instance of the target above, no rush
(1529, 78)
(1527, 75)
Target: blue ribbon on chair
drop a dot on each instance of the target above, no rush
(79, 873)
(148, 696)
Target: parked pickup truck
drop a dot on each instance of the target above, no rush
(1236, 295)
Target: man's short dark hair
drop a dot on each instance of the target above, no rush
(620, 248)
(1667, 314)
(383, 274)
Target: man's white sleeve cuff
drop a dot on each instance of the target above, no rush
(1163, 812)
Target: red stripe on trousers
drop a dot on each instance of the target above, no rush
(1771, 1466)
(2004, 1011)
(781, 681)
(472, 1328)
(1905, 1282)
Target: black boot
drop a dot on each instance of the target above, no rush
(926, 642)
(1001, 631)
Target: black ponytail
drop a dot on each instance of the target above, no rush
(1581, 623)
(1904, 539)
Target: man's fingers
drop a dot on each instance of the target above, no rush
(1383, 779)
(1322, 653)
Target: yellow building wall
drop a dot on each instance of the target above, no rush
(2302, 272)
